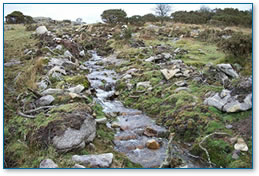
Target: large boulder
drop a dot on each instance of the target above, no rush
(45, 100)
(227, 69)
(94, 161)
(237, 99)
(81, 130)
(41, 30)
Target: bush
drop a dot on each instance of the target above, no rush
(17, 17)
(238, 45)
(114, 16)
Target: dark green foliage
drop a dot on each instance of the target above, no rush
(17, 17)
(238, 45)
(114, 16)
(150, 18)
(218, 17)
(136, 20)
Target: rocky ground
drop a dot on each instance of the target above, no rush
(123, 96)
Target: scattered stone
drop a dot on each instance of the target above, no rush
(45, 100)
(181, 89)
(41, 30)
(52, 91)
(180, 83)
(78, 166)
(67, 54)
(115, 125)
(12, 62)
(42, 85)
(227, 69)
(241, 145)
(74, 95)
(94, 161)
(59, 47)
(143, 85)
(82, 53)
(235, 154)
(48, 163)
(57, 40)
(78, 89)
(127, 76)
(101, 121)
(76, 138)
(152, 144)
(168, 74)
(151, 59)
(229, 126)
(57, 69)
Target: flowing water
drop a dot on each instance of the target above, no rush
(134, 127)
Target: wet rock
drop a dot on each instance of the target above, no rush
(12, 62)
(76, 137)
(52, 91)
(45, 100)
(155, 131)
(48, 163)
(227, 69)
(41, 30)
(78, 89)
(241, 145)
(180, 83)
(115, 125)
(82, 53)
(181, 89)
(78, 166)
(94, 161)
(143, 85)
(101, 121)
(152, 144)
(168, 74)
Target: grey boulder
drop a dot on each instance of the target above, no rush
(94, 161)
(76, 138)
(227, 69)
(45, 100)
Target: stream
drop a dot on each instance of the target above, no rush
(134, 128)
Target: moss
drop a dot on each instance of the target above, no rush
(79, 79)
(214, 126)
(97, 108)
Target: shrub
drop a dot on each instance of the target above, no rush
(238, 45)
(114, 16)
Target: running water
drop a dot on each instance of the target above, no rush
(134, 127)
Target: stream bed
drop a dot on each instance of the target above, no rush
(133, 128)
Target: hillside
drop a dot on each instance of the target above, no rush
(127, 96)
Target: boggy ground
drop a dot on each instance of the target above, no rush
(142, 52)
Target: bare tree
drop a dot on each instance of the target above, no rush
(162, 10)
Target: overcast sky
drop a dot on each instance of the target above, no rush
(90, 13)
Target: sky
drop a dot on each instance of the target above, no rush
(90, 13)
